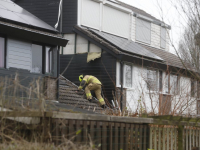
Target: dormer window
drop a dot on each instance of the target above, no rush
(143, 31)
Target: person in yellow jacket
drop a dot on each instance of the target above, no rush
(91, 83)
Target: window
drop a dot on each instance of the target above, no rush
(48, 57)
(193, 88)
(163, 37)
(128, 76)
(36, 58)
(143, 31)
(2, 50)
(174, 85)
(152, 80)
(198, 89)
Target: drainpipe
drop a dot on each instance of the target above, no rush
(58, 70)
(121, 80)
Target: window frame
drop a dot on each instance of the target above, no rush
(5, 51)
(177, 89)
(193, 93)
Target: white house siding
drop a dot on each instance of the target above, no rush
(116, 22)
(94, 48)
(81, 45)
(133, 29)
(19, 54)
(69, 49)
(155, 35)
(90, 14)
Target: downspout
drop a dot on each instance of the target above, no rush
(58, 71)
(121, 75)
(58, 52)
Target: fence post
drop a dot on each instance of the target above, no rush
(180, 137)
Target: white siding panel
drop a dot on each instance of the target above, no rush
(81, 45)
(116, 22)
(133, 28)
(19, 54)
(69, 48)
(94, 48)
(90, 14)
(155, 35)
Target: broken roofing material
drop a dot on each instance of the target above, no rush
(68, 95)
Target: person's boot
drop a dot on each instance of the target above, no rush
(103, 106)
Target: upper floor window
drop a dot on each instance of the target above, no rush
(152, 80)
(2, 52)
(163, 37)
(143, 31)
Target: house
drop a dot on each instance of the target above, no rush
(129, 50)
(29, 47)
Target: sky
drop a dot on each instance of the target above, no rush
(167, 11)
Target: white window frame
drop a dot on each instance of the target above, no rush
(48, 59)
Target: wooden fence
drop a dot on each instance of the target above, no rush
(114, 133)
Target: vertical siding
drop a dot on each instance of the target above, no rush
(103, 68)
(19, 54)
(90, 15)
(69, 48)
(47, 10)
(155, 35)
(116, 22)
(133, 28)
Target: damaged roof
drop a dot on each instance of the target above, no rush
(127, 47)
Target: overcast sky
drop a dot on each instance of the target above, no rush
(163, 10)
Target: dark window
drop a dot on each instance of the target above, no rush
(36, 58)
(198, 89)
(49, 55)
(165, 104)
(160, 81)
(174, 84)
(2, 52)
(193, 88)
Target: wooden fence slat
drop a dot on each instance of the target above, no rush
(116, 136)
(186, 139)
(85, 132)
(190, 142)
(164, 138)
(57, 132)
(171, 138)
(78, 128)
(131, 137)
(196, 133)
(64, 130)
(151, 137)
(122, 125)
(193, 140)
(104, 136)
(136, 135)
(167, 138)
(199, 137)
(155, 138)
(110, 135)
(145, 137)
(140, 137)
(71, 128)
(127, 136)
(92, 130)
(175, 138)
(159, 138)
(99, 137)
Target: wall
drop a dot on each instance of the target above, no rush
(103, 68)
(47, 10)
(140, 98)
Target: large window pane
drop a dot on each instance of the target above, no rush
(2, 49)
(193, 88)
(152, 80)
(128, 76)
(174, 84)
(36, 58)
(49, 55)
